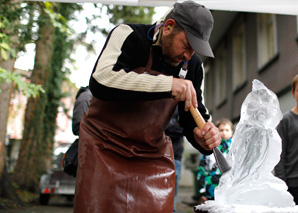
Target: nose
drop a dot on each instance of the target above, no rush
(188, 54)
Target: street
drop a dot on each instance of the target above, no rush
(58, 204)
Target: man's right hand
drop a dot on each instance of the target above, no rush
(209, 137)
(183, 90)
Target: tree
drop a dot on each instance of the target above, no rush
(10, 27)
(62, 48)
(51, 52)
(10, 12)
(26, 169)
(52, 48)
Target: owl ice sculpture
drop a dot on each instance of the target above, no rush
(250, 186)
(254, 152)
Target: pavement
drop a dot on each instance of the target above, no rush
(185, 203)
(58, 204)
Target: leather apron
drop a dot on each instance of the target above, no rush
(126, 161)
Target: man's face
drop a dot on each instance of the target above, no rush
(175, 47)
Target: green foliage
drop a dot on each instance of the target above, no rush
(127, 14)
(26, 198)
(10, 16)
(8, 204)
(130, 14)
(57, 19)
(62, 48)
(5, 39)
(27, 89)
(10, 25)
(3, 48)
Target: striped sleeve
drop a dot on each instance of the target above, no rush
(123, 79)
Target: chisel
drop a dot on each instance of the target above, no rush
(221, 161)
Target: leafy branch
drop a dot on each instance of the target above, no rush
(27, 88)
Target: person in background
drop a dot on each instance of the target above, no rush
(83, 99)
(208, 171)
(175, 132)
(143, 72)
(287, 168)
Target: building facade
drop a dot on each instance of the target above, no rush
(250, 46)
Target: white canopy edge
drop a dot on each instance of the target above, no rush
(286, 7)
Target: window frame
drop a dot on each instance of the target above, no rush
(267, 49)
(239, 75)
(221, 77)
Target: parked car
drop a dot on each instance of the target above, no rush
(56, 181)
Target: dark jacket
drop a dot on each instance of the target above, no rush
(175, 132)
(81, 105)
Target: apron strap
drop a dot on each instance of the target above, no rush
(183, 71)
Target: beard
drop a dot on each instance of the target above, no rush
(166, 45)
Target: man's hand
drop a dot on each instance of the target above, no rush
(183, 90)
(209, 137)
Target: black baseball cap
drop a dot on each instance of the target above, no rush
(197, 22)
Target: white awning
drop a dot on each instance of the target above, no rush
(286, 7)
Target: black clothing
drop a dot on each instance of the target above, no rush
(174, 131)
(81, 105)
(114, 69)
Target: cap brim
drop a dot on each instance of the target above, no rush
(199, 46)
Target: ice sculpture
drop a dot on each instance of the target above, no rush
(254, 152)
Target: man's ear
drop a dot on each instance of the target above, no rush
(170, 23)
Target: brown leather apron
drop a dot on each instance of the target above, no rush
(125, 160)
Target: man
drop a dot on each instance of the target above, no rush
(125, 160)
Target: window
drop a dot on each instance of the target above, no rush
(221, 75)
(297, 25)
(239, 59)
(266, 35)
